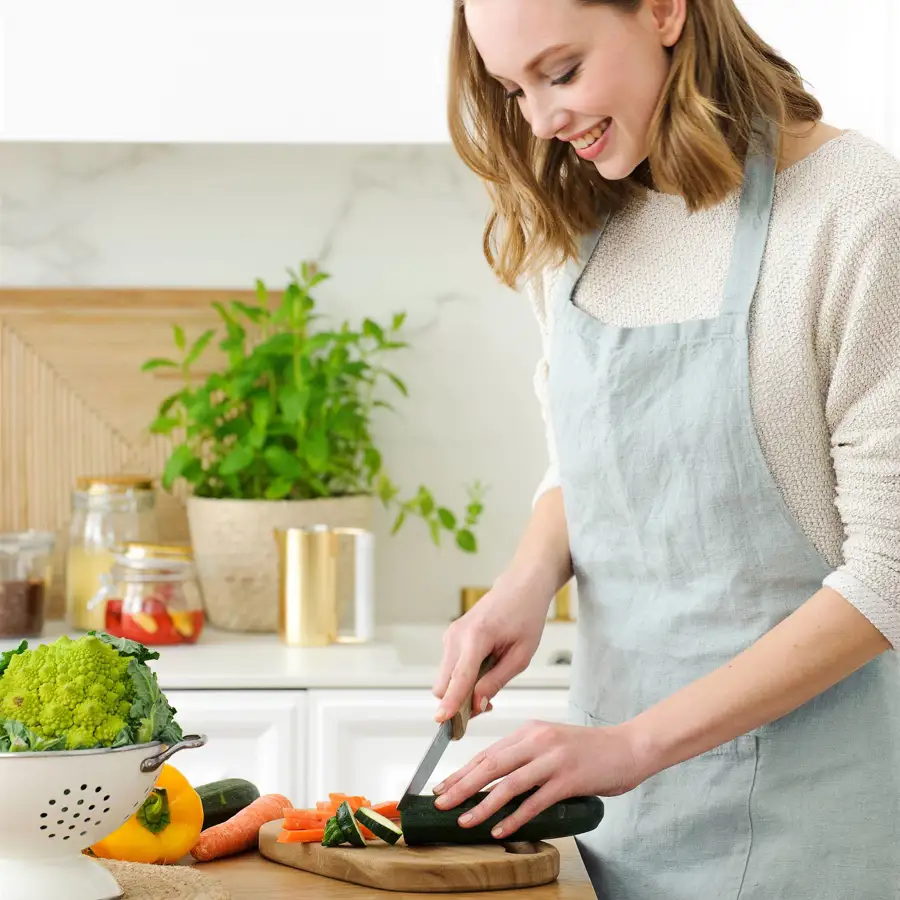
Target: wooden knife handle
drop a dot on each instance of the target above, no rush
(460, 721)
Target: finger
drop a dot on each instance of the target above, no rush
(451, 780)
(462, 681)
(543, 798)
(505, 669)
(493, 765)
(448, 661)
(524, 777)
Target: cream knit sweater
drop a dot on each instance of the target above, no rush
(824, 344)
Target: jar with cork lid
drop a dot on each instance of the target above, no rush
(106, 512)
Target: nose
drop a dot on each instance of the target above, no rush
(546, 119)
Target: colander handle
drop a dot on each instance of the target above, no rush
(188, 742)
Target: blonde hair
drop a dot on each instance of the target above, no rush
(723, 77)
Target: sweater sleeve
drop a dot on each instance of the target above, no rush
(536, 293)
(859, 340)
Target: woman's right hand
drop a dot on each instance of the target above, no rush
(507, 624)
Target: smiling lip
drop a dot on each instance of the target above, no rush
(581, 134)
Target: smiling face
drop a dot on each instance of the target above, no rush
(587, 73)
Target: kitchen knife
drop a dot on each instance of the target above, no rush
(450, 730)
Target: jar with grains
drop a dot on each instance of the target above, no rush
(25, 573)
(106, 511)
(152, 595)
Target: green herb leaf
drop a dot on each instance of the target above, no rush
(237, 460)
(279, 489)
(398, 522)
(163, 425)
(401, 386)
(180, 339)
(199, 346)
(283, 462)
(158, 363)
(315, 449)
(447, 519)
(398, 320)
(465, 540)
(176, 464)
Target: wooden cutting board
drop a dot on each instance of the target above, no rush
(432, 870)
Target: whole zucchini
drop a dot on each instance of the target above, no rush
(423, 823)
(223, 799)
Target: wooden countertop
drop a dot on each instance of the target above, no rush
(250, 877)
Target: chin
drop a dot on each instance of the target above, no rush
(616, 168)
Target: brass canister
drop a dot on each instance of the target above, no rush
(325, 585)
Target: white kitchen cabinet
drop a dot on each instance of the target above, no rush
(217, 71)
(257, 735)
(370, 742)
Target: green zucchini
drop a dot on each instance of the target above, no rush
(223, 799)
(423, 823)
(334, 835)
(379, 826)
(349, 827)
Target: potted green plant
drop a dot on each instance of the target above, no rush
(280, 435)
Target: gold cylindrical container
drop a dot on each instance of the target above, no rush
(469, 596)
(325, 586)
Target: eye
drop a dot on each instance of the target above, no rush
(514, 95)
(568, 77)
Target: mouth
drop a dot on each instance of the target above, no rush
(587, 138)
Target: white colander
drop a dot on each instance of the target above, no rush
(54, 805)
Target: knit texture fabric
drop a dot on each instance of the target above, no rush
(824, 343)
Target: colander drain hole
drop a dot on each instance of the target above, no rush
(74, 813)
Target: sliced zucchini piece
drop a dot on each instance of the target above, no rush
(381, 827)
(349, 827)
(334, 835)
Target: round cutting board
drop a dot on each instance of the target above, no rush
(438, 869)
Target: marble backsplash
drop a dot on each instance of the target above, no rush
(398, 228)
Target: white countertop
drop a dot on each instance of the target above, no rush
(400, 657)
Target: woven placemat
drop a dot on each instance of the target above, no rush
(145, 882)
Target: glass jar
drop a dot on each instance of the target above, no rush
(106, 511)
(25, 573)
(152, 595)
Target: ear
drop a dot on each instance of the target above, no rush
(669, 17)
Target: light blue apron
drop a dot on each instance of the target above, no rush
(685, 554)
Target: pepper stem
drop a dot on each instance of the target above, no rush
(154, 811)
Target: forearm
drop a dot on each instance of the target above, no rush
(542, 563)
(822, 643)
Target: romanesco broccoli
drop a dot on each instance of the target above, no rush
(96, 691)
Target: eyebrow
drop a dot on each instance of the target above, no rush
(537, 60)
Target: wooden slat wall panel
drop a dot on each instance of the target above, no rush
(73, 400)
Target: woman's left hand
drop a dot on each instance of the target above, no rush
(562, 761)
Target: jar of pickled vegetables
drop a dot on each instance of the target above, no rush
(152, 595)
(106, 511)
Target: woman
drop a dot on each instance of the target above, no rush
(715, 272)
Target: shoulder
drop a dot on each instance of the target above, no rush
(847, 191)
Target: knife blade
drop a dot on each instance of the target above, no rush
(453, 729)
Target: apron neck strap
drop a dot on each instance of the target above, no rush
(752, 229)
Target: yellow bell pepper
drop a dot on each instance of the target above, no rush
(165, 827)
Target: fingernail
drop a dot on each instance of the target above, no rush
(484, 704)
(441, 802)
(497, 832)
(465, 819)
(439, 788)
(441, 714)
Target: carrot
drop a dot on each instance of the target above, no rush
(388, 809)
(309, 836)
(297, 820)
(241, 831)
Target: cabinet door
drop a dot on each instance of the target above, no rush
(220, 71)
(370, 742)
(252, 734)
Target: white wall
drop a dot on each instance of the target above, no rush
(398, 229)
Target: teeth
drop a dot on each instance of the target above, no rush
(594, 135)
